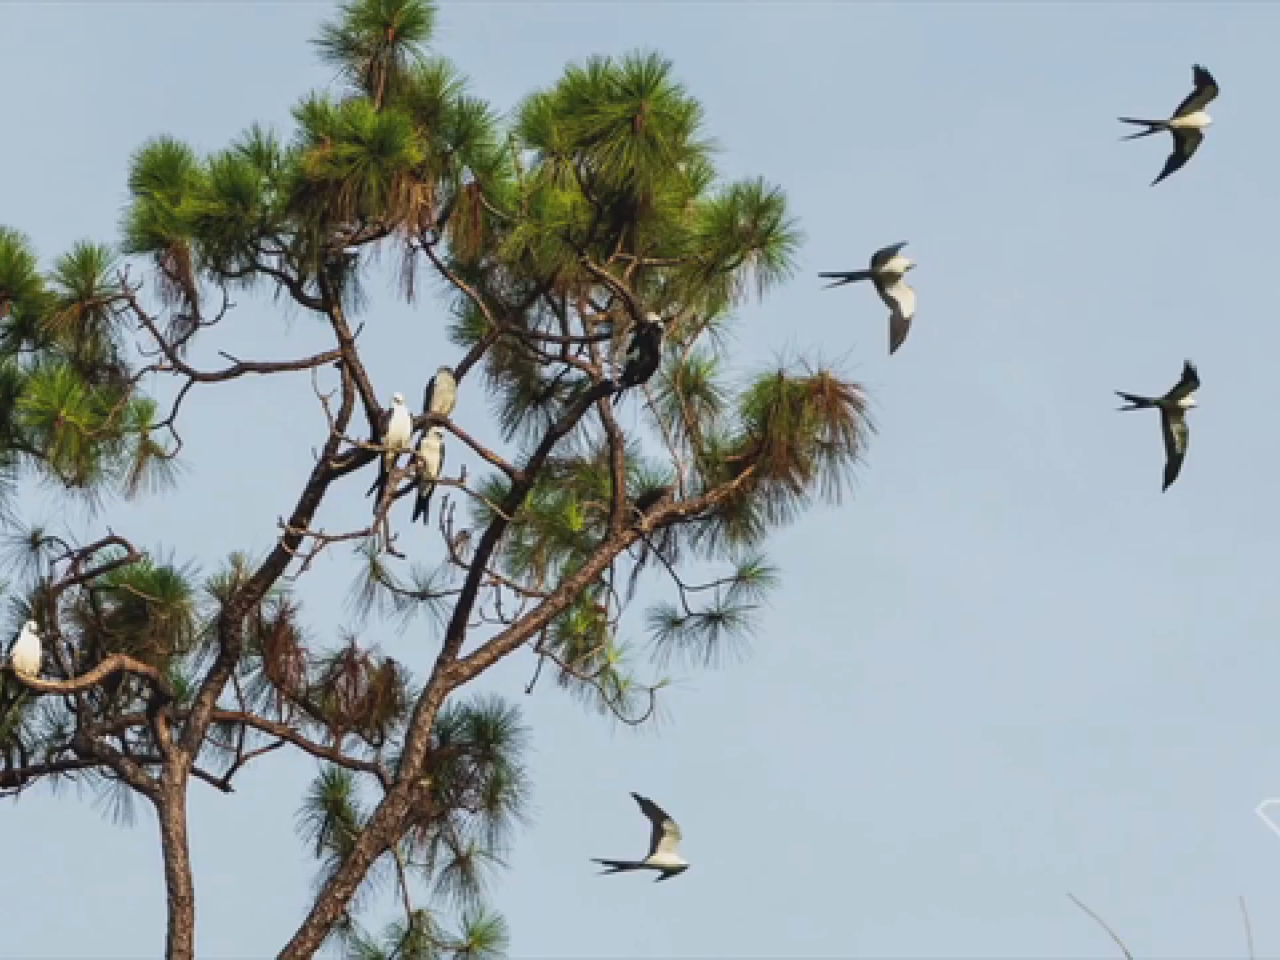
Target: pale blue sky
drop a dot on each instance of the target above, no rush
(1006, 668)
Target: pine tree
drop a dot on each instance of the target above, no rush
(595, 211)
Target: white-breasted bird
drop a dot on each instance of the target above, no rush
(887, 271)
(430, 463)
(1173, 408)
(662, 846)
(1186, 126)
(397, 426)
(27, 652)
(441, 395)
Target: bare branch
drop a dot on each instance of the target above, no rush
(1102, 923)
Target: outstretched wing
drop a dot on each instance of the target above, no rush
(885, 254)
(1199, 98)
(666, 834)
(901, 301)
(1189, 383)
(428, 395)
(1185, 143)
(1176, 436)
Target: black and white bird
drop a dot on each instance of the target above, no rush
(887, 271)
(1173, 408)
(26, 653)
(1186, 126)
(430, 463)
(662, 846)
(397, 426)
(644, 354)
(441, 395)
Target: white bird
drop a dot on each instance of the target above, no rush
(662, 846)
(26, 653)
(1173, 408)
(1186, 126)
(441, 395)
(397, 426)
(887, 271)
(430, 463)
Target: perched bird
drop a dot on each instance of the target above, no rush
(1186, 125)
(397, 425)
(1173, 408)
(430, 463)
(888, 270)
(662, 846)
(26, 653)
(441, 395)
(644, 353)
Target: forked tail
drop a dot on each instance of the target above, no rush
(1134, 401)
(843, 277)
(1153, 126)
(616, 866)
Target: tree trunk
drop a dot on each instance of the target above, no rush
(172, 813)
(375, 840)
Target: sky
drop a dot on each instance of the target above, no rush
(1005, 668)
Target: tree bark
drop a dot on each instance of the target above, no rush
(374, 840)
(171, 810)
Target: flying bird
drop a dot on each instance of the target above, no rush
(887, 272)
(441, 395)
(662, 846)
(644, 353)
(430, 463)
(26, 653)
(1186, 126)
(1173, 408)
(397, 425)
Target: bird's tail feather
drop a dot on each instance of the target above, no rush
(1153, 126)
(1134, 401)
(422, 508)
(843, 277)
(616, 866)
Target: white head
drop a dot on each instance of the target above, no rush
(432, 438)
(30, 627)
(653, 318)
(397, 399)
(1188, 401)
(444, 372)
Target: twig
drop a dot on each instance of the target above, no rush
(1248, 927)
(1102, 923)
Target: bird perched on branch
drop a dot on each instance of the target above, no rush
(1186, 126)
(644, 354)
(662, 846)
(397, 425)
(26, 654)
(430, 463)
(1173, 407)
(441, 395)
(887, 271)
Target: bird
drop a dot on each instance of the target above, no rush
(1186, 126)
(1173, 408)
(644, 353)
(397, 425)
(662, 846)
(441, 395)
(26, 653)
(887, 271)
(430, 463)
